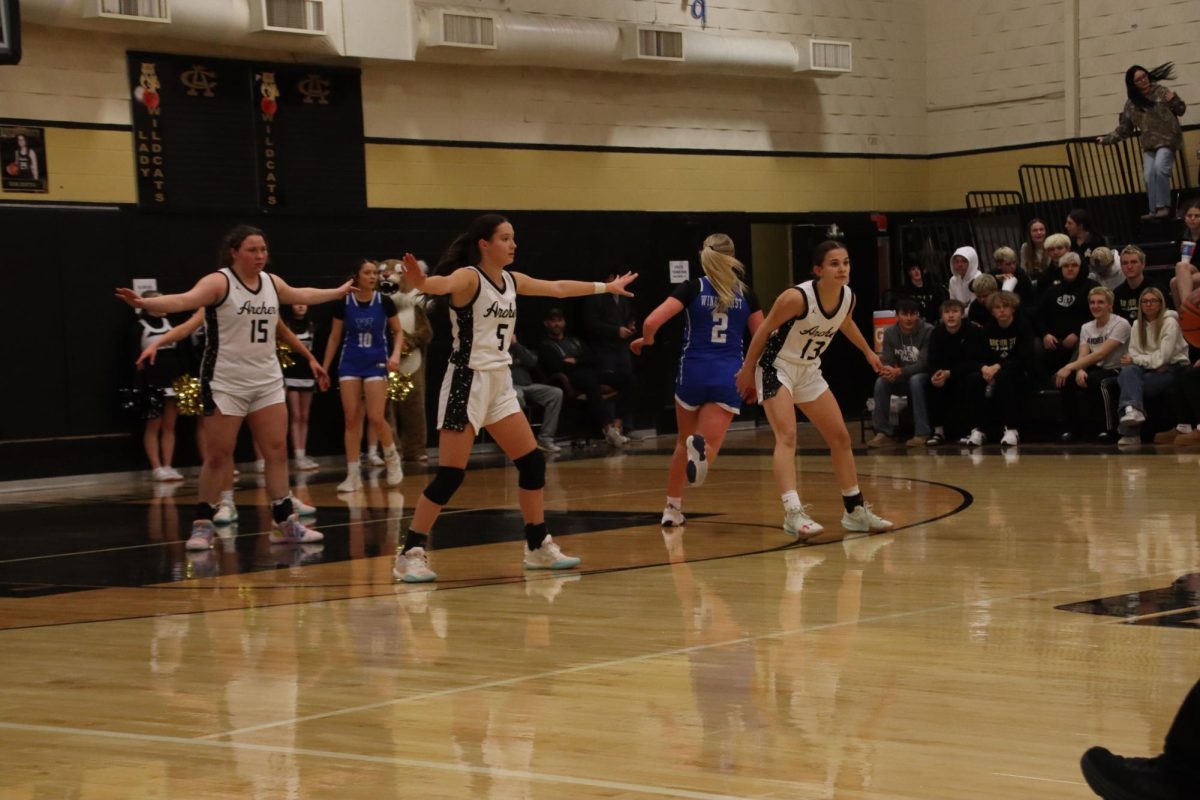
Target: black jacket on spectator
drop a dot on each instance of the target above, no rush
(929, 296)
(604, 316)
(960, 352)
(1063, 309)
(1024, 288)
(553, 355)
(1085, 250)
(978, 314)
(1011, 347)
(1125, 299)
(524, 362)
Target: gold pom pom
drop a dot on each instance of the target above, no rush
(284, 354)
(399, 385)
(187, 396)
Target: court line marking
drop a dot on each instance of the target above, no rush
(1036, 778)
(643, 657)
(543, 777)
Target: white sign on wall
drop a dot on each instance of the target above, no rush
(143, 285)
(679, 271)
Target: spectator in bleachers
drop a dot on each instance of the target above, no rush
(1057, 246)
(1083, 239)
(1186, 432)
(1011, 277)
(1152, 110)
(1061, 312)
(560, 354)
(1185, 282)
(1127, 294)
(1102, 343)
(1009, 340)
(964, 268)
(550, 398)
(927, 292)
(1105, 270)
(905, 372)
(1034, 258)
(1157, 357)
(956, 352)
(983, 287)
(611, 326)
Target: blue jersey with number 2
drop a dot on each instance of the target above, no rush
(712, 345)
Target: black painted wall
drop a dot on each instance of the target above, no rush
(66, 337)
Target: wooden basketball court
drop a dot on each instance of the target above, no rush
(1028, 606)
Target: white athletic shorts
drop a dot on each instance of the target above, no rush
(245, 402)
(475, 397)
(803, 381)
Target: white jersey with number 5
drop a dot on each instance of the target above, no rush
(484, 327)
(801, 340)
(239, 344)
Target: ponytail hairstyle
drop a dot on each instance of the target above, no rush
(825, 248)
(1163, 72)
(1140, 333)
(724, 272)
(464, 250)
(233, 241)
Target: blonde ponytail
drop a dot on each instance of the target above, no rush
(723, 271)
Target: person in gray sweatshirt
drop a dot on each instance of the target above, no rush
(905, 372)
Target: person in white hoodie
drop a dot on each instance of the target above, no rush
(1157, 354)
(964, 268)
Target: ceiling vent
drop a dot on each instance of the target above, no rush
(457, 29)
(130, 10)
(288, 16)
(825, 56)
(653, 44)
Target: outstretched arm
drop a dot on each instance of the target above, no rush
(207, 291)
(459, 282)
(173, 336)
(658, 317)
(290, 295)
(540, 288)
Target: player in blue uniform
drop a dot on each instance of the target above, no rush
(719, 308)
(361, 327)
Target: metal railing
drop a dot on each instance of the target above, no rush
(995, 221)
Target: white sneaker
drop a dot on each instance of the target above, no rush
(395, 472)
(203, 533)
(413, 567)
(549, 556)
(306, 464)
(797, 522)
(672, 517)
(613, 436)
(1011, 437)
(1129, 441)
(977, 438)
(173, 474)
(547, 444)
(302, 508)
(863, 519)
(226, 514)
(353, 482)
(293, 531)
(161, 474)
(697, 460)
(374, 460)
(1132, 416)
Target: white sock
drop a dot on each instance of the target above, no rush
(853, 490)
(389, 451)
(940, 431)
(299, 453)
(227, 496)
(675, 501)
(791, 501)
(1184, 428)
(351, 466)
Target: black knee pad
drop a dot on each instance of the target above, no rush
(444, 484)
(531, 470)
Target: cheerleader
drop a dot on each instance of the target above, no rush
(158, 437)
(477, 390)
(361, 326)
(193, 329)
(240, 379)
(300, 380)
(782, 366)
(719, 308)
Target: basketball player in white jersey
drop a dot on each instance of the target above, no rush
(240, 375)
(477, 391)
(783, 367)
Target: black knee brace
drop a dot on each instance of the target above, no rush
(444, 484)
(531, 470)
